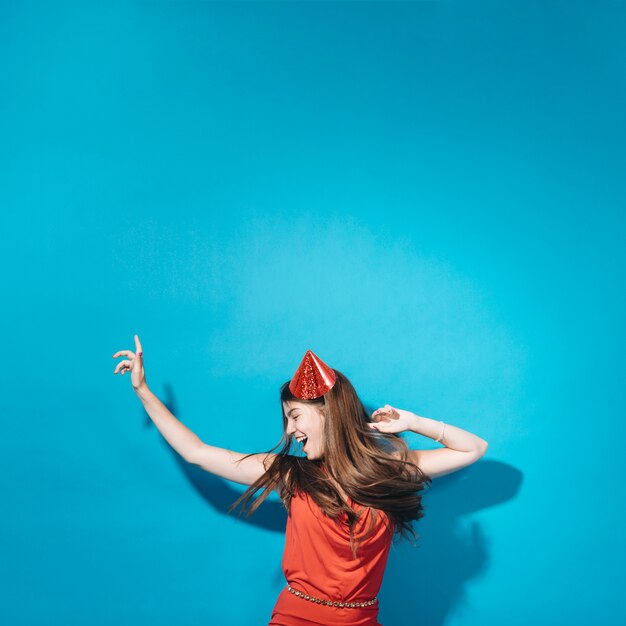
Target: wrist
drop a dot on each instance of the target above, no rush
(433, 429)
(142, 391)
(416, 424)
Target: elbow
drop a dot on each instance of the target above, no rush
(191, 455)
(482, 448)
(479, 450)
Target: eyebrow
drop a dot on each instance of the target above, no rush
(291, 411)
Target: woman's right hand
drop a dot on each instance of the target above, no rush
(391, 420)
(133, 364)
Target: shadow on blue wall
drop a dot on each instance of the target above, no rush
(423, 587)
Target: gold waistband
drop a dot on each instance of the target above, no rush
(341, 605)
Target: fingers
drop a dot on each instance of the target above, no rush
(385, 413)
(128, 353)
(138, 346)
(123, 366)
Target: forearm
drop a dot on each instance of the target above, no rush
(454, 437)
(183, 440)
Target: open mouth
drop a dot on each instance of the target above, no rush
(303, 441)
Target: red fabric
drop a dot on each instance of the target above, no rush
(318, 561)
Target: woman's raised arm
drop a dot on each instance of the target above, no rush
(218, 461)
(462, 448)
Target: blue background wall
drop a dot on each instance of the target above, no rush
(427, 194)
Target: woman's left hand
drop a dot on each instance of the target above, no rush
(391, 420)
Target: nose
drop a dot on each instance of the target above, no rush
(290, 427)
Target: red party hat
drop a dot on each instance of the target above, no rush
(312, 379)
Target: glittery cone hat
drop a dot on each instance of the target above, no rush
(312, 379)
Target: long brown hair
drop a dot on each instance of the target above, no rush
(371, 467)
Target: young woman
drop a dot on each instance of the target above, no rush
(357, 486)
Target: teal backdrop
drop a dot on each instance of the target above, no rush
(429, 195)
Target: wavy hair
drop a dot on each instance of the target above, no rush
(371, 467)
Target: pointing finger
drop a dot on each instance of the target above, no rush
(138, 346)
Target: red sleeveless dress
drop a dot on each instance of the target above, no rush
(318, 561)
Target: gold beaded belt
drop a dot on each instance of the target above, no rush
(341, 605)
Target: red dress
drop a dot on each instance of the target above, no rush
(318, 561)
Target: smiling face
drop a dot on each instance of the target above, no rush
(304, 419)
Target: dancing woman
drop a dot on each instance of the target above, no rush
(356, 486)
